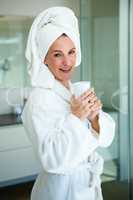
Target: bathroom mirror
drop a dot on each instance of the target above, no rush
(13, 76)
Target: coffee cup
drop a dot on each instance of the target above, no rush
(80, 87)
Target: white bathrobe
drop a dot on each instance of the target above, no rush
(65, 146)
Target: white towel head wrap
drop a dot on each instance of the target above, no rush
(46, 28)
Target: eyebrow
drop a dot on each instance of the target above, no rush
(61, 51)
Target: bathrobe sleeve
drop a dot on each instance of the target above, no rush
(62, 141)
(107, 129)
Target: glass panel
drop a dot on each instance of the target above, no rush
(131, 96)
(104, 37)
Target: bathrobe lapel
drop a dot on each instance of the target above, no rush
(62, 91)
(47, 80)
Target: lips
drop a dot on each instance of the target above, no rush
(65, 70)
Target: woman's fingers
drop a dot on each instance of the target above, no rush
(92, 100)
(83, 102)
(97, 105)
(86, 94)
(80, 108)
(87, 105)
(95, 110)
(74, 100)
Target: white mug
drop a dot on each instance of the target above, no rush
(80, 87)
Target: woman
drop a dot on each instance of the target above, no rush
(65, 130)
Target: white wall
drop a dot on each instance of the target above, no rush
(32, 7)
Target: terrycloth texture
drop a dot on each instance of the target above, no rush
(46, 28)
(65, 146)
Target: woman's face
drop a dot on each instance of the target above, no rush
(61, 59)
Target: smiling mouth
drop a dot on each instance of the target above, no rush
(65, 71)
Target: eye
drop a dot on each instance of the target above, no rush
(57, 55)
(72, 52)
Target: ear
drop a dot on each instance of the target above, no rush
(45, 63)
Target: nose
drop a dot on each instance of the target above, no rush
(66, 61)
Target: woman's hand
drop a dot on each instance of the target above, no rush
(81, 106)
(93, 116)
(96, 107)
(86, 105)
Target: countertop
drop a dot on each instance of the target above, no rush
(10, 119)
